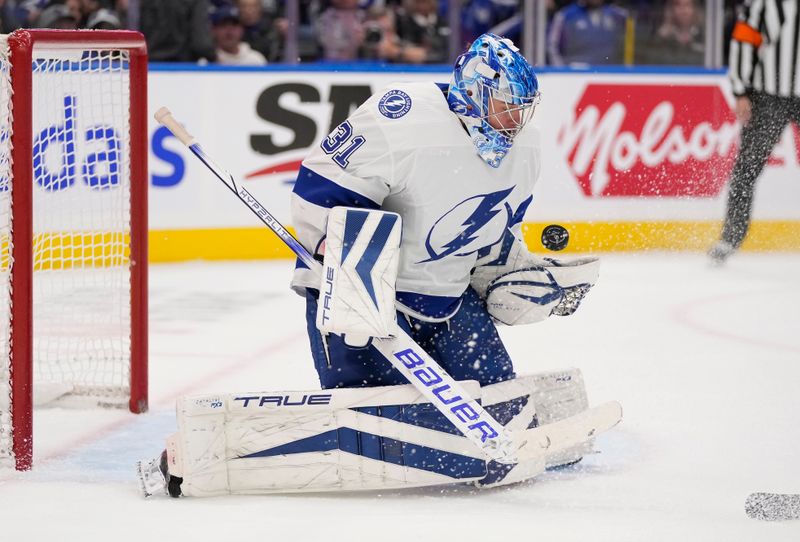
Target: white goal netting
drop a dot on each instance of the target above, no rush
(81, 227)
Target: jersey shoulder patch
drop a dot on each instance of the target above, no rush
(394, 104)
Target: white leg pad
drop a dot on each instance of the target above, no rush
(329, 440)
(545, 398)
(558, 395)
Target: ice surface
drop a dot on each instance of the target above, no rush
(706, 363)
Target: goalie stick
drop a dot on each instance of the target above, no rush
(447, 395)
(773, 506)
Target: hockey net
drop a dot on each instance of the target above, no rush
(73, 226)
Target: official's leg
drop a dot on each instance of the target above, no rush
(795, 113)
(770, 115)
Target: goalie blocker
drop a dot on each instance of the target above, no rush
(353, 439)
(357, 290)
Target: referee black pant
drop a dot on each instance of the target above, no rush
(770, 115)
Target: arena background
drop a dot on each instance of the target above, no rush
(633, 158)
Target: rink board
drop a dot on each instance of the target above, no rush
(631, 160)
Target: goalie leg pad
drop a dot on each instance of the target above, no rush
(330, 440)
(559, 395)
(527, 402)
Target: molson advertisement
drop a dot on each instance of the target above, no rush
(631, 161)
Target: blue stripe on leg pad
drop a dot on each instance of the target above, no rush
(423, 415)
(382, 449)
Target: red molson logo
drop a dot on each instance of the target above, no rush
(651, 140)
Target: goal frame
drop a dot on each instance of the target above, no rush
(21, 45)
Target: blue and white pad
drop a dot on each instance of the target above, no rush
(531, 401)
(357, 292)
(329, 440)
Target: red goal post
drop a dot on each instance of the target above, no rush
(73, 223)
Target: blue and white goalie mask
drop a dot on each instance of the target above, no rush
(494, 92)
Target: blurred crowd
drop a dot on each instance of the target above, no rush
(253, 32)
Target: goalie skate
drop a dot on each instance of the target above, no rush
(153, 475)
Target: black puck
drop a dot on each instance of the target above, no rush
(555, 237)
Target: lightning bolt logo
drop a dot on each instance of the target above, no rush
(471, 229)
(394, 104)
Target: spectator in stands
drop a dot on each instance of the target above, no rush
(380, 36)
(680, 40)
(8, 17)
(86, 8)
(500, 17)
(260, 30)
(228, 32)
(587, 32)
(382, 43)
(29, 10)
(423, 34)
(103, 19)
(308, 46)
(176, 30)
(74, 7)
(340, 30)
(121, 8)
(57, 16)
(551, 7)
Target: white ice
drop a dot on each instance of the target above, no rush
(706, 363)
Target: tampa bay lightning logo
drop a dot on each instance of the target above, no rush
(475, 223)
(394, 104)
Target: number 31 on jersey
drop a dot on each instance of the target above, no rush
(341, 144)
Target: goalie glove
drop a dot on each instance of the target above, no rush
(357, 289)
(527, 289)
(576, 278)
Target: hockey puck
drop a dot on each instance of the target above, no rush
(555, 237)
(773, 506)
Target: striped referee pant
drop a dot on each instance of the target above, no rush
(770, 115)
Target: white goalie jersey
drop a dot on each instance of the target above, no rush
(404, 151)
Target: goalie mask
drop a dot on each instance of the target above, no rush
(494, 92)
